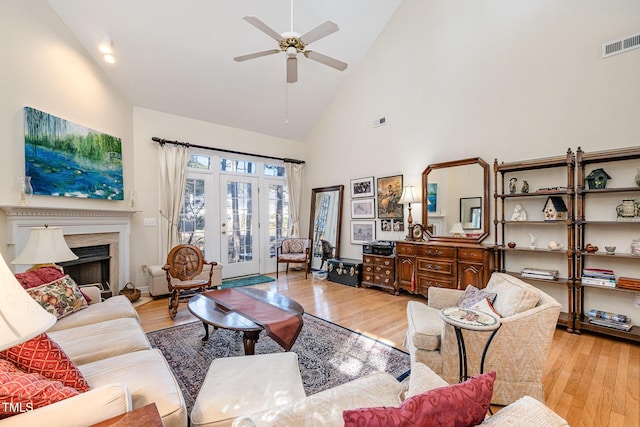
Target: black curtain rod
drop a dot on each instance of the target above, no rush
(162, 141)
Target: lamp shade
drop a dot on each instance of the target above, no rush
(409, 195)
(21, 317)
(45, 245)
(457, 229)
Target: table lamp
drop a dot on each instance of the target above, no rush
(457, 230)
(21, 317)
(46, 245)
(409, 195)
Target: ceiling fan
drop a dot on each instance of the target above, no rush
(293, 43)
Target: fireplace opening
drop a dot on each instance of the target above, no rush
(92, 265)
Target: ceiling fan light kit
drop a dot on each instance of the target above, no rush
(292, 43)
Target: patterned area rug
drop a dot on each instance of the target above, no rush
(328, 354)
(245, 281)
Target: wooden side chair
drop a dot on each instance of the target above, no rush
(184, 264)
(294, 250)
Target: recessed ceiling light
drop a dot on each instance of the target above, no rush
(109, 58)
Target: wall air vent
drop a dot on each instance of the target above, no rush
(622, 45)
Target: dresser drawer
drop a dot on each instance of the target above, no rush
(435, 266)
(425, 282)
(386, 262)
(470, 254)
(368, 268)
(368, 259)
(383, 280)
(405, 248)
(436, 252)
(383, 270)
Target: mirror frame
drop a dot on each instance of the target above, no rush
(484, 231)
(312, 217)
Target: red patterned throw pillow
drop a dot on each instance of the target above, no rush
(457, 405)
(38, 277)
(23, 392)
(60, 297)
(41, 355)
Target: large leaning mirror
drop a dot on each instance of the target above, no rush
(324, 224)
(457, 200)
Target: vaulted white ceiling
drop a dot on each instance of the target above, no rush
(176, 56)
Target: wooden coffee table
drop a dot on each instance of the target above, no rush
(210, 312)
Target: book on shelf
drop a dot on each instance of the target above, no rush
(611, 324)
(629, 283)
(595, 281)
(539, 273)
(598, 273)
(608, 315)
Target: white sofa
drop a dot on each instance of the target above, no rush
(157, 279)
(381, 389)
(107, 344)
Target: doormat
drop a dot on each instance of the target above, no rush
(245, 281)
(328, 354)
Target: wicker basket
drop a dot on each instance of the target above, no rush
(130, 292)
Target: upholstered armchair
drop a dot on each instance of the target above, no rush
(294, 250)
(518, 351)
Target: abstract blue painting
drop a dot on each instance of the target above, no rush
(432, 197)
(66, 159)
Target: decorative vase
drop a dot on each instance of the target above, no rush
(635, 247)
(24, 190)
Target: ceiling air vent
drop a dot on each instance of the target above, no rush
(621, 45)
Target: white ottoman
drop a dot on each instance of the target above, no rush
(236, 386)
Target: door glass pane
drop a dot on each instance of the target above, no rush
(239, 221)
(278, 216)
(191, 224)
(238, 166)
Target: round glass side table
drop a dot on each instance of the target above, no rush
(474, 320)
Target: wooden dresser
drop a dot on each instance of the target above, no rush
(420, 265)
(378, 270)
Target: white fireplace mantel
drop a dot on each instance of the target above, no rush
(73, 221)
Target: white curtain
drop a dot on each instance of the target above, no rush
(173, 176)
(294, 186)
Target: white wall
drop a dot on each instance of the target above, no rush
(503, 79)
(147, 124)
(42, 65)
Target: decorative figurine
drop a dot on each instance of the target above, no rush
(511, 244)
(555, 245)
(591, 248)
(519, 214)
(597, 179)
(525, 187)
(512, 185)
(532, 245)
(628, 209)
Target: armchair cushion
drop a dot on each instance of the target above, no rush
(473, 295)
(462, 405)
(514, 295)
(426, 324)
(294, 246)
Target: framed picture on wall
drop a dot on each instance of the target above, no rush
(363, 232)
(389, 192)
(363, 187)
(432, 197)
(363, 208)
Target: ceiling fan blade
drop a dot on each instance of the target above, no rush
(319, 32)
(256, 55)
(326, 60)
(263, 27)
(292, 70)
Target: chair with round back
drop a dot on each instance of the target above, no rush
(184, 264)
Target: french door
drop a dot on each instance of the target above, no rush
(239, 225)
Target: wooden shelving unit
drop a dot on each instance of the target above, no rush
(504, 227)
(601, 259)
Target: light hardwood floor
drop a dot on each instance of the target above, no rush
(589, 380)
